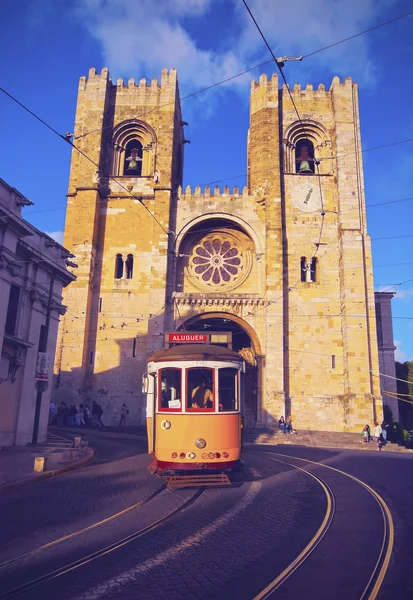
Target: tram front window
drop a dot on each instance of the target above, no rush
(200, 390)
(170, 389)
(227, 381)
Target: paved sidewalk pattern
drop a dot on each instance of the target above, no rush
(17, 463)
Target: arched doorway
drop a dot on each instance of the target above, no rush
(244, 342)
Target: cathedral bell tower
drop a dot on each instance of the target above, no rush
(120, 210)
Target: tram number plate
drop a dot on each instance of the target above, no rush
(200, 363)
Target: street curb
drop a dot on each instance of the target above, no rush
(46, 474)
(338, 448)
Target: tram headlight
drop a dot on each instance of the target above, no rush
(200, 443)
(191, 455)
(165, 424)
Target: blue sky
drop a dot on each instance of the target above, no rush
(47, 45)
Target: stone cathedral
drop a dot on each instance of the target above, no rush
(284, 264)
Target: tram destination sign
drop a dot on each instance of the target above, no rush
(199, 337)
(188, 338)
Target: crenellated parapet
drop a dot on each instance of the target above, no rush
(264, 93)
(168, 80)
(195, 193)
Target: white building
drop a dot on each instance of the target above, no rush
(31, 265)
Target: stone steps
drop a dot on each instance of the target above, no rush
(317, 439)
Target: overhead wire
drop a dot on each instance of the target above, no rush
(262, 64)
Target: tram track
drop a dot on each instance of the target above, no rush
(29, 585)
(376, 577)
(80, 532)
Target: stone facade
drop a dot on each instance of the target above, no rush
(29, 260)
(285, 263)
(387, 348)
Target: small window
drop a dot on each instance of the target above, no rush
(313, 270)
(119, 266)
(170, 390)
(129, 266)
(308, 270)
(12, 310)
(228, 389)
(133, 159)
(304, 157)
(200, 390)
(303, 268)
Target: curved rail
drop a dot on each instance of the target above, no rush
(376, 578)
(85, 529)
(102, 552)
(312, 545)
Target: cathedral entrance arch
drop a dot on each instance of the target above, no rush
(246, 343)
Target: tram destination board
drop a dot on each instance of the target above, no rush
(199, 337)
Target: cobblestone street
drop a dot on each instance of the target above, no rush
(211, 544)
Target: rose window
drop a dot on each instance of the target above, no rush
(216, 261)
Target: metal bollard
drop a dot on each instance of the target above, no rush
(77, 441)
(39, 464)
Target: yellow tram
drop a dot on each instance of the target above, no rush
(194, 404)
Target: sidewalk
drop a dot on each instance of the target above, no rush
(17, 463)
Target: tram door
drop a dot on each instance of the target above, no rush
(149, 387)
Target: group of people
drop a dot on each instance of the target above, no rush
(75, 416)
(379, 434)
(81, 416)
(286, 425)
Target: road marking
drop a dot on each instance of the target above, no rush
(197, 538)
(388, 535)
(312, 545)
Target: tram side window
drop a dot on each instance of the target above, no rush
(170, 389)
(228, 389)
(200, 389)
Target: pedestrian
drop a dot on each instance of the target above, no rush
(79, 416)
(100, 413)
(60, 414)
(289, 424)
(365, 434)
(377, 431)
(73, 413)
(52, 410)
(86, 417)
(123, 413)
(66, 415)
(95, 414)
(282, 424)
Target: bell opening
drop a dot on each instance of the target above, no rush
(133, 158)
(304, 157)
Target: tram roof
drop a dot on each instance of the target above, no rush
(195, 352)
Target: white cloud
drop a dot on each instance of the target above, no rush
(139, 38)
(56, 235)
(399, 355)
(403, 294)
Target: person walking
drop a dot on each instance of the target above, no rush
(95, 414)
(52, 410)
(123, 414)
(100, 413)
(79, 416)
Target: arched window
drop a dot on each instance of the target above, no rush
(304, 157)
(133, 149)
(119, 266)
(133, 159)
(303, 141)
(129, 266)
